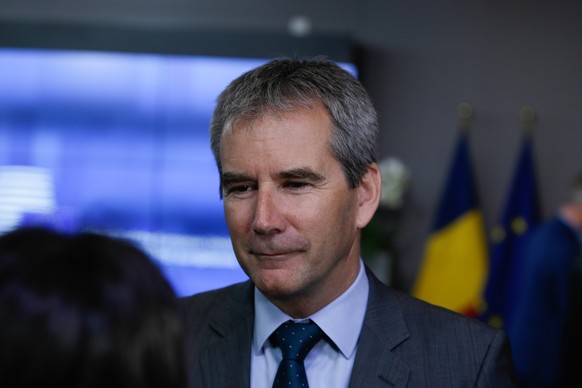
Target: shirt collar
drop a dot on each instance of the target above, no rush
(352, 304)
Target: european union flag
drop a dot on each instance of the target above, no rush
(508, 241)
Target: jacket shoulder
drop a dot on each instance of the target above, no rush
(429, 340)
(425, 317)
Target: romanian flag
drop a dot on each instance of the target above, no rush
(453, 271)
(508, 241)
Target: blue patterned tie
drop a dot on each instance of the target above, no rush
(295, 341)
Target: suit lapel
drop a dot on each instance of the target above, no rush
(375, 365)
(383, 330)
(228, 360)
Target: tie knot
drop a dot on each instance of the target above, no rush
(296, 339)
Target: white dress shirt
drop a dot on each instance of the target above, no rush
(327, 365)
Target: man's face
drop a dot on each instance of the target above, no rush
(292, 217)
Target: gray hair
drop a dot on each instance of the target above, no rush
(284, 84)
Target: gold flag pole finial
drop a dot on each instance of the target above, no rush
(465, 114)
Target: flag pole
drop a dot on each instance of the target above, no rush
(465, 113)
(527, 117)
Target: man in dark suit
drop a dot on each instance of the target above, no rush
(294, 143)
(546, 329)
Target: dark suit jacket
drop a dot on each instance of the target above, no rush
(545, 330)
(404, 343)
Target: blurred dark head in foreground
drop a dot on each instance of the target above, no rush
(85, 311)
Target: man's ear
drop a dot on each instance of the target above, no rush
(369, 192)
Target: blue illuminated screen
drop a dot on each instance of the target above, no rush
(119, 143)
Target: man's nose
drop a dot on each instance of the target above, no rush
(268, 216)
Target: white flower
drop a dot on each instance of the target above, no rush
(395, 178)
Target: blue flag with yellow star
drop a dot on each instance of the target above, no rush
(508, 241)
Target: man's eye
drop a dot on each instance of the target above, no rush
(242, 190)
(239, 189)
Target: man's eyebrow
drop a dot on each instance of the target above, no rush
(301, 173)
(228, 178)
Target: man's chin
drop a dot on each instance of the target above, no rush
(275, 283)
